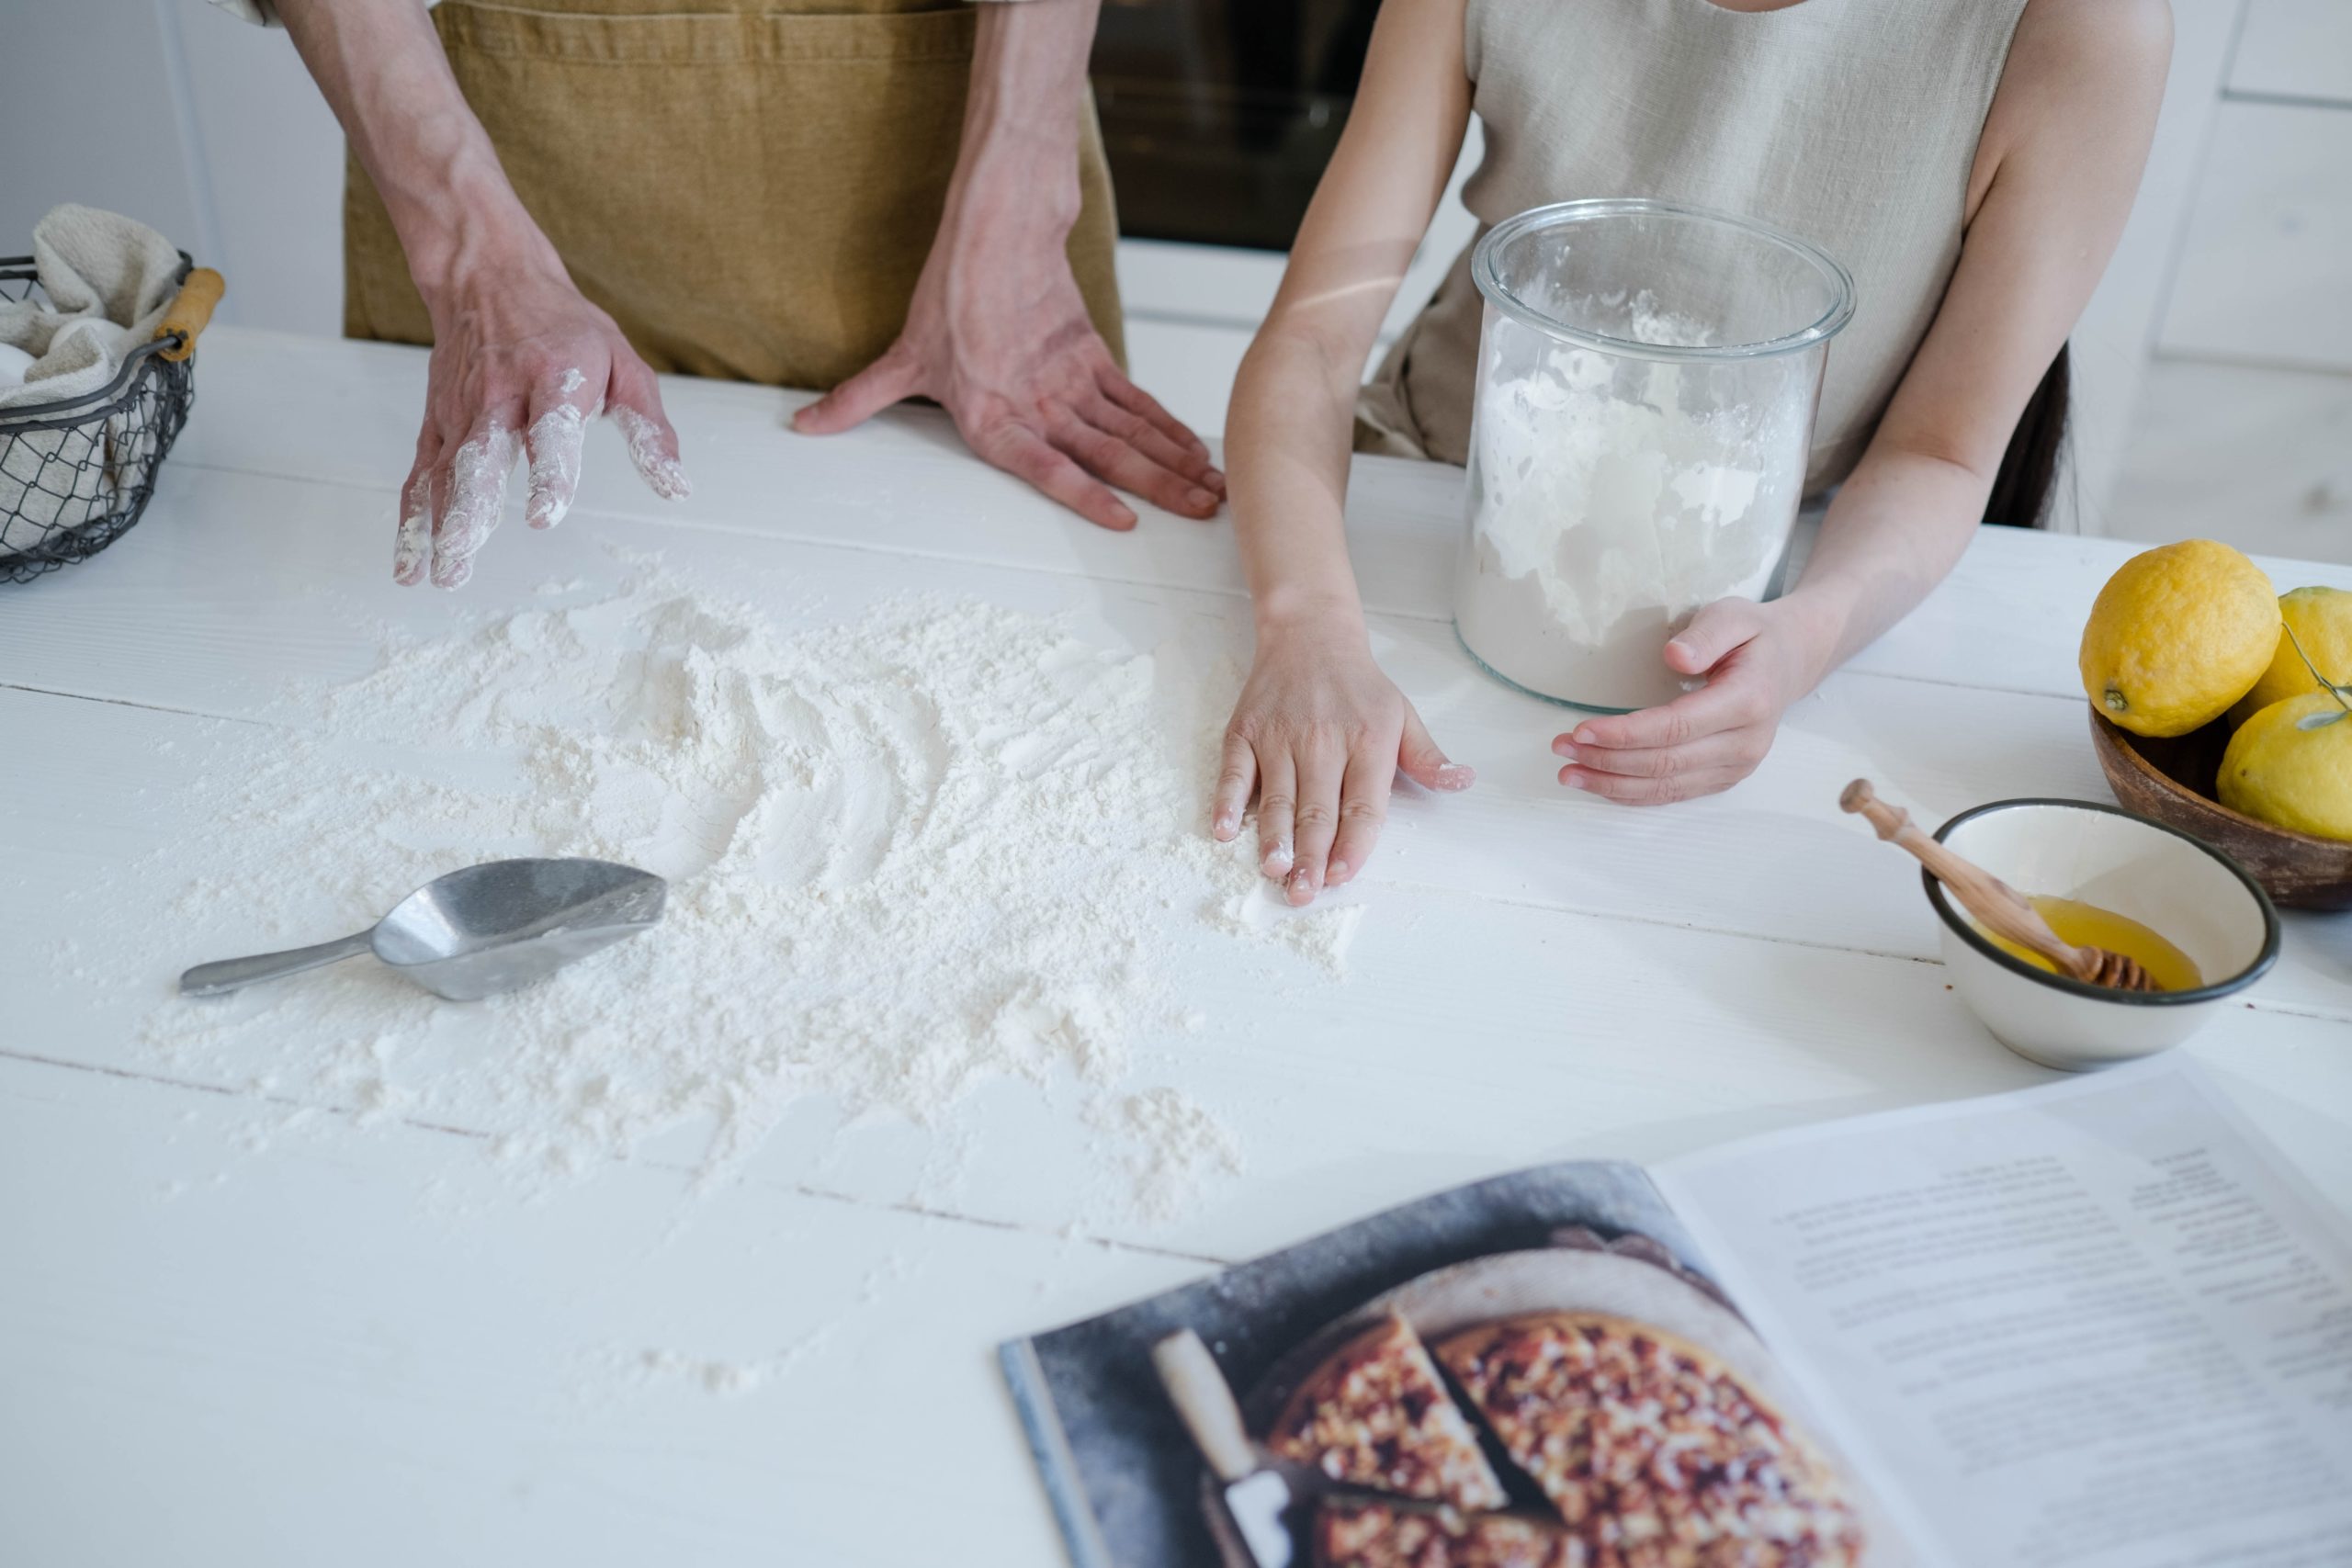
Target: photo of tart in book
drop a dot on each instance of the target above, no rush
(1651, 1446)
(1374, 1415)
(1626, 1413)
(1364, 1532)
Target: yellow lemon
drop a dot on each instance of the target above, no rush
(2292, 764)
(2177, 636)
(2321, 619)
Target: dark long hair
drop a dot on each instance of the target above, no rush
(2026, 486)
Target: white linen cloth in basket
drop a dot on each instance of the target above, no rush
(108, 280)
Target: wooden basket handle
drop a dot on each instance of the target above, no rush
(191, 311)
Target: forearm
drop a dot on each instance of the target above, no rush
(1894, 532)
(382, 72)
(1291, 426)
(1288, 434)
(1017, 170)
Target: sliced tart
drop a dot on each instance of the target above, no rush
(1653, 1448)
(1369, 1533)
(1376, 1414)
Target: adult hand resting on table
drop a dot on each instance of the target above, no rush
(520, 361)
(997, 332)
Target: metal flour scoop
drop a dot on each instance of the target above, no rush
(477, 931)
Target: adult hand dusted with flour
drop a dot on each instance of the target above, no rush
(520, 360)
(997, 332)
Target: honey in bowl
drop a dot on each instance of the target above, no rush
(2088, 925)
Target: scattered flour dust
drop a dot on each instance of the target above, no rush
(661, 1366)
(940, 845)
(1177, 1144)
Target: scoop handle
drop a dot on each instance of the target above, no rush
(1993, 901)
(235, 973)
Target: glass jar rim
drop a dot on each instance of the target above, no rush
(1560, 214)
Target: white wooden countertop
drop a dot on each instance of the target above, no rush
(307, 1354)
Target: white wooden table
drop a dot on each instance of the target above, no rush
(309, 1353)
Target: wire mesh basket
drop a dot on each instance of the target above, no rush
(75, 474)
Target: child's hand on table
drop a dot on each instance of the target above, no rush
(1320, 734)
(1758, 659)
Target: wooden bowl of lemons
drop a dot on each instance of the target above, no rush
(2222, 712)
(2171, 780)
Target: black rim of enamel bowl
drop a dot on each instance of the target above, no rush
(1957, 918)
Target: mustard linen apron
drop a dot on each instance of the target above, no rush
(748, 187)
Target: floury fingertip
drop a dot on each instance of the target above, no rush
(478, 490)
(555, 465)
(662, 473)
(411, 543)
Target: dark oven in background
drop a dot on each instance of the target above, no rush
(1219, 115)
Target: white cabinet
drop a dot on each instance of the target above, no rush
(2296, 49)
(1188, 366)
(2264, 274)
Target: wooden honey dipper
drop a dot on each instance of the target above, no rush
(2000, 907)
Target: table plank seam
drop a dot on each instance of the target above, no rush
(1586, 912)
(1948, 682)
(134, 702)
(2316, 1011)
(803, 1190)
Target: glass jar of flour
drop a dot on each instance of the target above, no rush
(1648, 375)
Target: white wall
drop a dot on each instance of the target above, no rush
(2112, 341)
(188, 120)
(2243, 430)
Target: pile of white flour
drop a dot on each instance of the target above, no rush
(943, 844)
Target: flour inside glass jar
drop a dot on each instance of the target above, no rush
(1611, 499)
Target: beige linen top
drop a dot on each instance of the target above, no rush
(1852, 123)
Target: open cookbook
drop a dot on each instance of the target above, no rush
(2093, 1325)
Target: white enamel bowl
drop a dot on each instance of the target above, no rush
(2191, 894)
